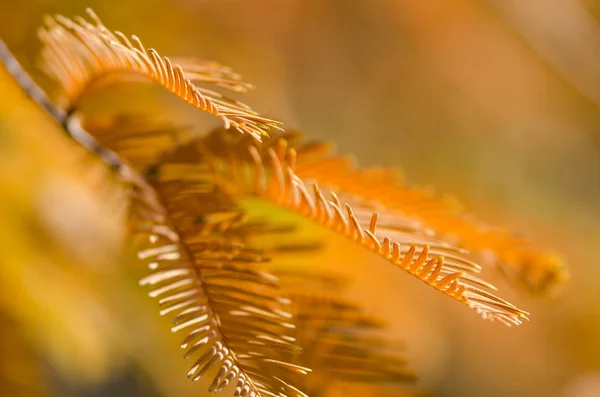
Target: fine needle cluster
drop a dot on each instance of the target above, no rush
(219, 270)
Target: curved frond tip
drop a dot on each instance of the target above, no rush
(78, 53)
(390, 234)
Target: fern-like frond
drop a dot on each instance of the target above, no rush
(78, 53)
(190, 220)
(539, 270)
(207, 271)
(268, 171)
(231, 311)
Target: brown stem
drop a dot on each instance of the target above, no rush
(68, 119)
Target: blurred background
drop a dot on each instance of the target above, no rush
(496, 102)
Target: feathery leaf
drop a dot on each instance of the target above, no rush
(539, 270)
(231, 311)
(78, 54)
(268, 171)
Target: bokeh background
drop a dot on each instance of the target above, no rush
(496, 102)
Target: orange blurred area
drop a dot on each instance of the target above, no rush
(494, 102)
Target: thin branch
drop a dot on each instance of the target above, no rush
(68, 119)
(32, 90)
